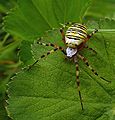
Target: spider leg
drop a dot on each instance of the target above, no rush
(52, 45)
(44, 55)
(66, 25)
(63, 34)
(87, 63)
(78, 81)
(91, 34)
(48, 53)
(91, 49)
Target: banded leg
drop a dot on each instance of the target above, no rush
(90, 35)
(78, 81)
(91, 49)
(49, 52)
(63, 34)
(87, 63)
(52, 45)
(66, 25)
(44, 55)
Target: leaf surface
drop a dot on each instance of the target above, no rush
(31, 18)
(101, 9)
(49, 92)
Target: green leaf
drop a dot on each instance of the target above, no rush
(101, 9)
(5, 5)
(48, 91)
(29, 24)
(25, 52)
(3, 113)
(31, 18)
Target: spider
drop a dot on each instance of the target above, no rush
(75, 39)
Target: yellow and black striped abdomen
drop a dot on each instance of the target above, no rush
(75, 35)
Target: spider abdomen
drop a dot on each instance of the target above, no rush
(75, 35)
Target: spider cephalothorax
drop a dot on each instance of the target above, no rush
(75, 39)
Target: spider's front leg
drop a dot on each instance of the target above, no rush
(91, 49)
(49, 52)
(44, 55)
(63, 34)
(91, 34)
(77, 80)
(66, 25)
(88, 37)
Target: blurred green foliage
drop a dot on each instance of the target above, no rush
(8, 56)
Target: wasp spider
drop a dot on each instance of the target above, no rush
(75, 40)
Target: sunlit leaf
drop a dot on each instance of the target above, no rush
(101, 9)
(31, 18)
